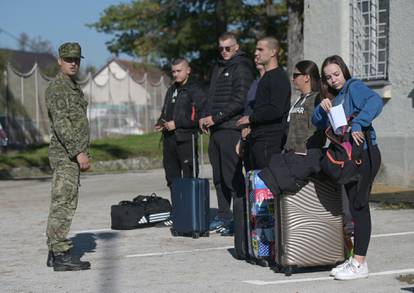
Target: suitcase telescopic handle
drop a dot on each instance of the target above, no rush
(194, 157)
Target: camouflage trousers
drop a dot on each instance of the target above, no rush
(65, 193)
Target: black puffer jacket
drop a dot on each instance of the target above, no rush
(189, 104)
(230, 82)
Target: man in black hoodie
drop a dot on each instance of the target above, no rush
(230, 81)
(184, 102)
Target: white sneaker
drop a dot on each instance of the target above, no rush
(339, 267)
(353, 270)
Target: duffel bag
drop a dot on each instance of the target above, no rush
(142, 211)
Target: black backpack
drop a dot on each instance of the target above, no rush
(343, 157)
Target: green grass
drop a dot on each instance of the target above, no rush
(147, 145)
(34, 156)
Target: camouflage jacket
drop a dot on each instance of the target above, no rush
(67, 107)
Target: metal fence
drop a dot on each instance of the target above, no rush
(117, 106)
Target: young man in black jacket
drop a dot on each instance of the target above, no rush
(230, 81)
(184, 101)
(268, 121)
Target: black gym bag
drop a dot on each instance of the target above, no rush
(142, 211)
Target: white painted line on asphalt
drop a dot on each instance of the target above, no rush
(262, 283)
(93, 231)
(372, 236)
(392, 234)
(179, 251)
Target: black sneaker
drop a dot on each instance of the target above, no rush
(50, 259)
(66, 262)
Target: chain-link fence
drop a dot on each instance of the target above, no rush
(119, 104)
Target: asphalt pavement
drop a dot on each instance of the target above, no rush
(151, 260)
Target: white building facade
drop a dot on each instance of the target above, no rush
(122, 101)
(376, 39)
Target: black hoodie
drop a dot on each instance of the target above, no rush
(230, 82)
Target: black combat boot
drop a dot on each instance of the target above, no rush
(50, 259)
(66, 262)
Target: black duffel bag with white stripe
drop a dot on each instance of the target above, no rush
(142, 211)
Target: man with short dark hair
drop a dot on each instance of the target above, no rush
(230, 81)
(268, 121)
(183, 103)
(68, 155)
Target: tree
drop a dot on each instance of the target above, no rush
(160, 30)
(40, 45)
(36, 44)
(23, 41)
(295, 32)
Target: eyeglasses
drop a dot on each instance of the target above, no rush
(296, 74)
(226, 48)
(71, 60)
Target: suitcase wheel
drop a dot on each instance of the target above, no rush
(195, 235)
(174, 232)
(262, 262)
(288, 271)
(206, 234)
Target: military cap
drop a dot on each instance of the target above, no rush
(70, 50)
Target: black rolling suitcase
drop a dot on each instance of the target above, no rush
(240, 229)
(190, 199)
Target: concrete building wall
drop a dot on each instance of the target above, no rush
(327, 32)
(326, 29)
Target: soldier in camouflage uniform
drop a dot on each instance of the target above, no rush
(68, 155)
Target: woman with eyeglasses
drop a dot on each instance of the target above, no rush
(365, 105)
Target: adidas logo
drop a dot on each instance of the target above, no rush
(143, 220)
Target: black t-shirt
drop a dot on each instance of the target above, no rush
(272, 104)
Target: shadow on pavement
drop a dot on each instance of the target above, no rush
(86, 243)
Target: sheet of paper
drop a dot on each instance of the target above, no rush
(337, 118)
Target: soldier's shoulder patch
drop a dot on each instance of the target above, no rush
(59, 102)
